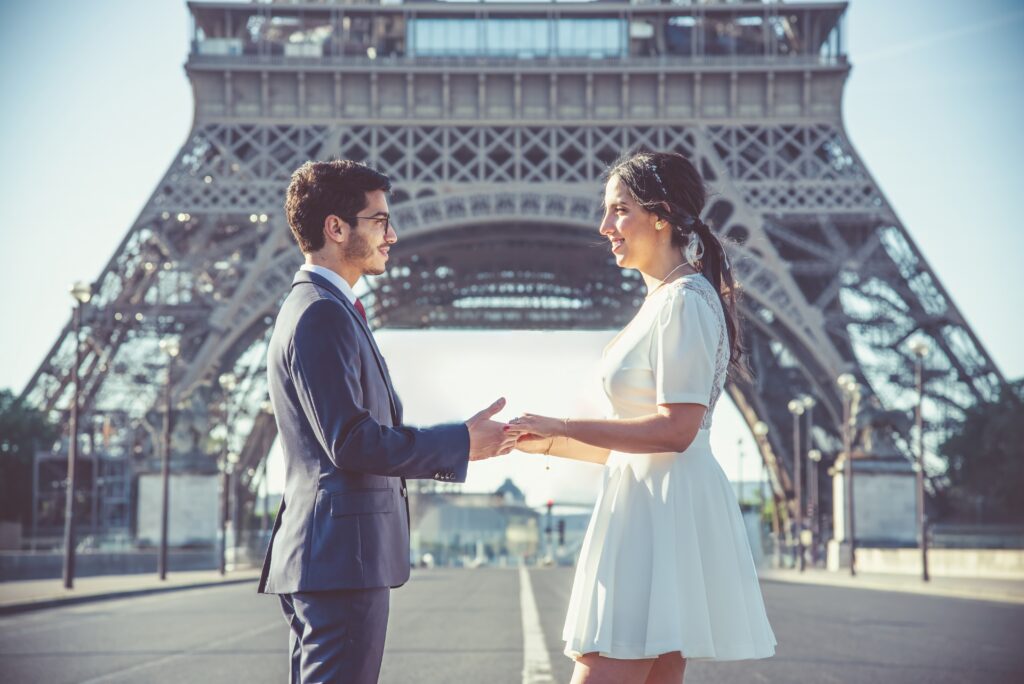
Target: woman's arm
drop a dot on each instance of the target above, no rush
(671, 429)
(563, 447)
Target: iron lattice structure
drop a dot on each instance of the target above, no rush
(497, 162)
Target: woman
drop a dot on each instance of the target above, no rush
(665, 572)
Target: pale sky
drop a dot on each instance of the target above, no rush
(96, 105)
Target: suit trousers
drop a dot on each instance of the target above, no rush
(336, 636)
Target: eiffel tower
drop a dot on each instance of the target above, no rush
(496, 122)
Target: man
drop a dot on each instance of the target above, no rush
(341, 539)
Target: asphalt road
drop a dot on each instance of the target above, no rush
(456, 626)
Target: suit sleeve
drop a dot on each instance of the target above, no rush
(326, 373)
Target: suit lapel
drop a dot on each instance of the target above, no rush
(314, 279)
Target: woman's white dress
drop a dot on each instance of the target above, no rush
(665, 565)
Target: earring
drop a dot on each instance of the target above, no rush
(658, 225)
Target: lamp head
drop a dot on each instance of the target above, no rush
(170, 346)
(845, 381)
(760, 428)
(814, 455)
(796, 407)
(82, 292)
(920, 348)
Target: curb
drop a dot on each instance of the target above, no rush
(973, 595)
(15, 608)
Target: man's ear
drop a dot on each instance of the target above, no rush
(335, 229)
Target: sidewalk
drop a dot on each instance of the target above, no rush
(26, 595)
(1006, 591)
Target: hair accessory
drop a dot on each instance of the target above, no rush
(694, 250)
(654, 172)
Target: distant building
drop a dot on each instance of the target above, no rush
(457, 528)
(510, 492)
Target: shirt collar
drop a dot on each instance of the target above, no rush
(333, 278)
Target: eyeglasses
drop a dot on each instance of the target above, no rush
(381, 222)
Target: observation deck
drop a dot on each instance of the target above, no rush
(517, 61)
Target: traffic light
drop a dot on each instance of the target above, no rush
(561, 531)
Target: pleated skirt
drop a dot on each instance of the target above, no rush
(666, 566)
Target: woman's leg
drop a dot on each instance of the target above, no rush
(592, 668)
(668, 669)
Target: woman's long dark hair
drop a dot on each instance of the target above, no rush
(669, 186)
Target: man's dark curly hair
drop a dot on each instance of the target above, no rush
(321, 188)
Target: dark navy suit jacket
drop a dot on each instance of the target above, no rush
(344, 519)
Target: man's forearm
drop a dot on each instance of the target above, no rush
(440, 452)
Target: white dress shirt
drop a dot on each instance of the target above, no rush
(333, 278)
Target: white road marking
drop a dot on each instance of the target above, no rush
(536, 662)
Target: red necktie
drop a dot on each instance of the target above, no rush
(359, 307)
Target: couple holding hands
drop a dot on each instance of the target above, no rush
(665, 573)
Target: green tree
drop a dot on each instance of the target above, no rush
(986, 459)
(22, 431)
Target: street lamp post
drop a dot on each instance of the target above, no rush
(760, 433)
(265, 507)
(228, 382)
(739, 461)
(169, 347)
(268, 409)
(223, 550)
(920, 349)
(82, 293)
(548, 530)
(796, 407)
(236, 508)
(815, 457)
(809, 404)
(851, 399)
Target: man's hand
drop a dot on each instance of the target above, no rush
(488, 438)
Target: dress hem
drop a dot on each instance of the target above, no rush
(647, 652)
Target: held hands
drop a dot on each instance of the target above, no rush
(534, 434)
(488, 438)
(529, 433)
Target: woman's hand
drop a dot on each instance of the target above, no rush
(536, 426)
(542, 435)
(534, 444)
